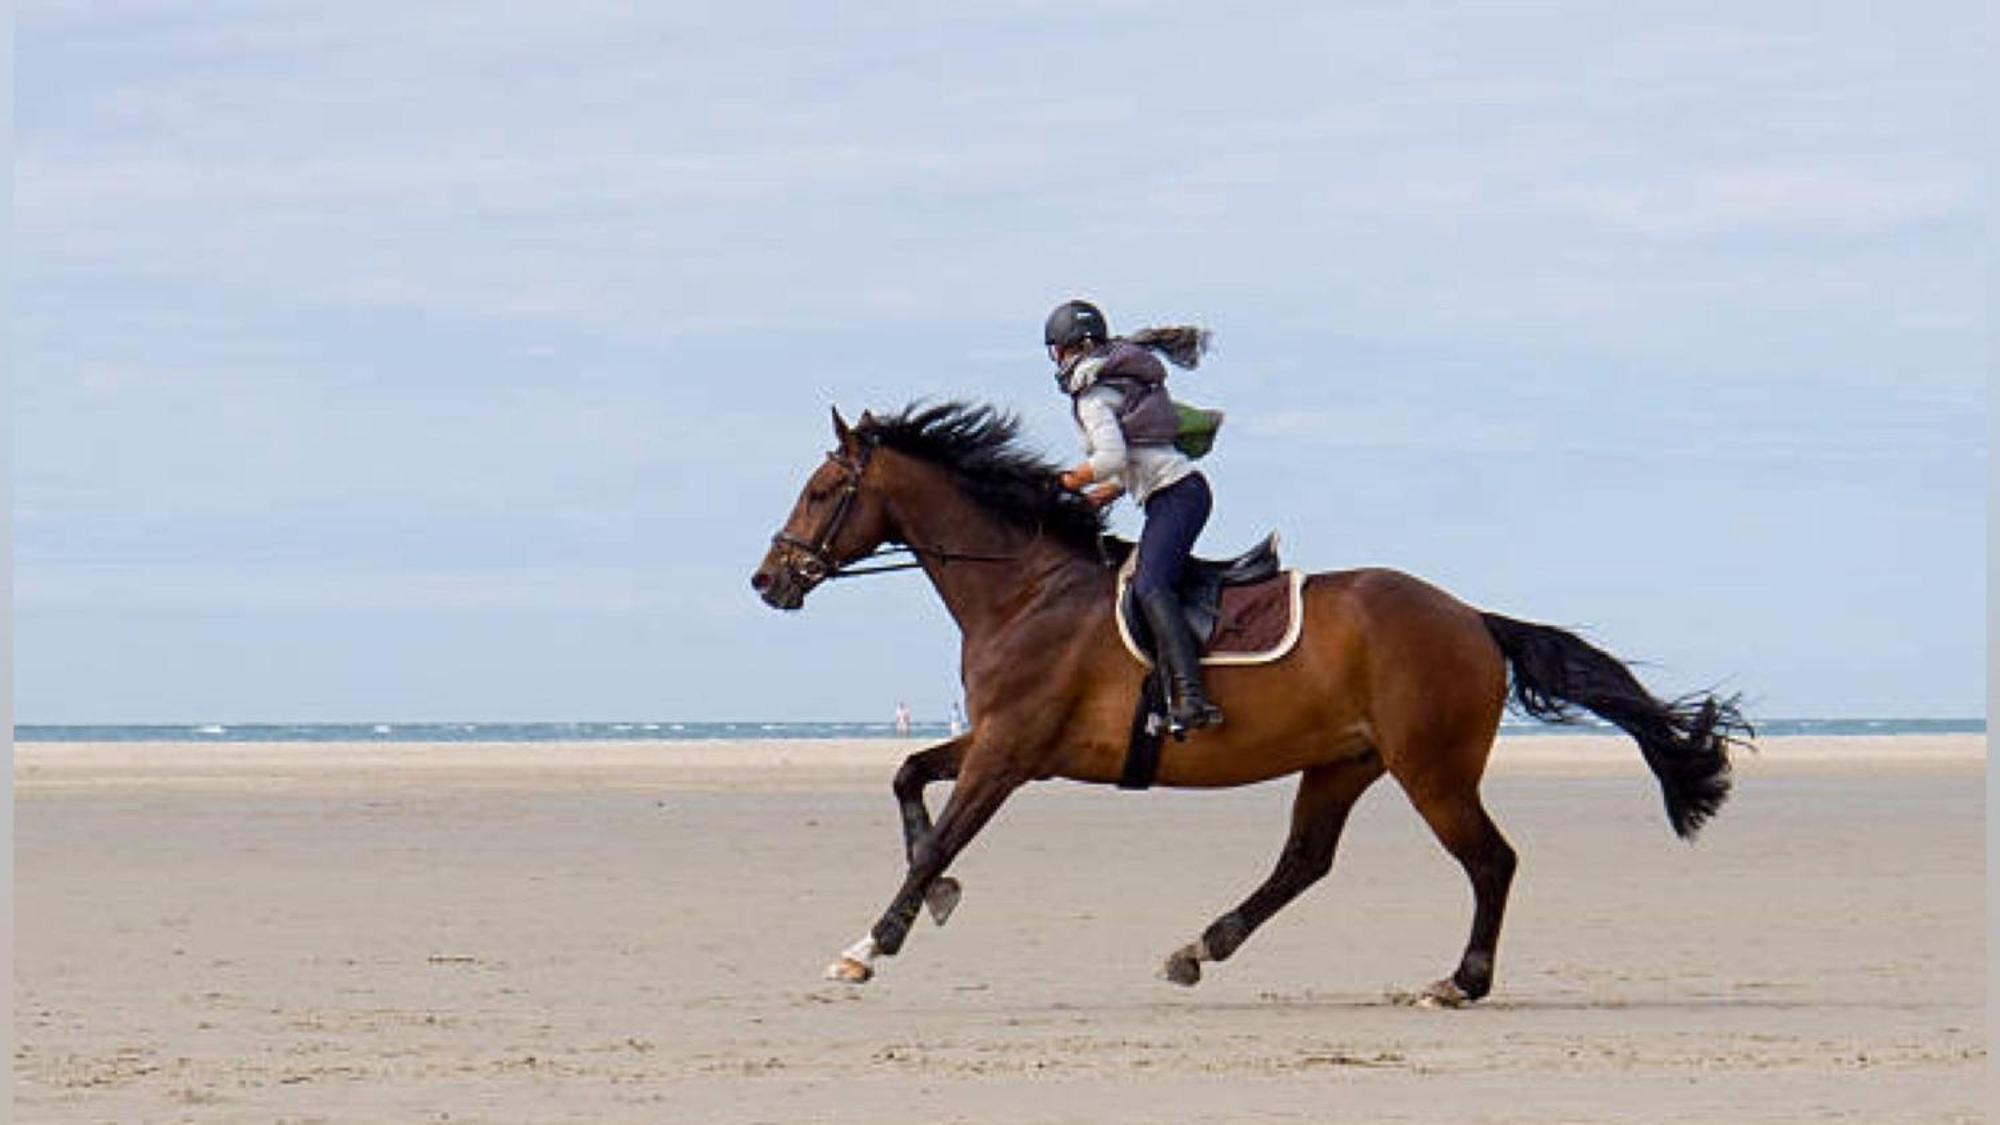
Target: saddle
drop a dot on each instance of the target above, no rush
(1245, 610)
(1241, 610)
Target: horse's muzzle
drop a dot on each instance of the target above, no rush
(779, 585)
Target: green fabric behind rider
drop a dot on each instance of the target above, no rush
(1117, 391)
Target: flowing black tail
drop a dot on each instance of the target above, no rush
(1685, 741)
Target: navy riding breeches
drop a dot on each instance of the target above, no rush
(1175, 516)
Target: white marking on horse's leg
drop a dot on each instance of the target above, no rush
(856, 963)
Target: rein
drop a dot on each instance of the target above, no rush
(819, 550)
(850, 570)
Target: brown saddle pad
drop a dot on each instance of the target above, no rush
(1254, 619)
(1255, 624)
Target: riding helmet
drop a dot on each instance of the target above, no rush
(1074, 322)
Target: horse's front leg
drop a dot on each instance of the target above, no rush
(938, 763)
(974, 799)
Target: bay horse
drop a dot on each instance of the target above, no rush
(1390, 675)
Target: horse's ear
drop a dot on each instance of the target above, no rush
(841, 433)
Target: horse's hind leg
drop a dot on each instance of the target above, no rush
(1460, 822)
(1319, 812)
(938, 763)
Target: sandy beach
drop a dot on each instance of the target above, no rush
(635, 932)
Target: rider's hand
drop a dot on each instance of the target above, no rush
(1103, 495)
(1076, 478)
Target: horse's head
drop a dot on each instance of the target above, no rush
(839, 517)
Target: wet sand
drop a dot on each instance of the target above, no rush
(634, 932)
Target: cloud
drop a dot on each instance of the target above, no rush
(181, 589)
(432, 294)
(644, 176)
(1829, 204)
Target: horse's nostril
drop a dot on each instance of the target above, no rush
(760, 581)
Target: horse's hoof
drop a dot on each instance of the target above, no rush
(1183, 968)
(849, 971)
(943, 898)
(1442, 994)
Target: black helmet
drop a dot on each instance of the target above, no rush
(1074, 322)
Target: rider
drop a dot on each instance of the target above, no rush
(1117, 389)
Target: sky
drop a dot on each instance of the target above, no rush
(456, 361)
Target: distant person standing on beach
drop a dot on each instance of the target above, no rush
(957, 719)
(902, 718)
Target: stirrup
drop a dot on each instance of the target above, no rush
(1203, 717)
(1182, 716)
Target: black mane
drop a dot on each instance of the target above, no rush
(980, 444)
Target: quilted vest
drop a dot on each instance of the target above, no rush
(1146, 414)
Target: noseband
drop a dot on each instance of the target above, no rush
(818, 564)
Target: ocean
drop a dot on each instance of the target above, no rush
(690, 731)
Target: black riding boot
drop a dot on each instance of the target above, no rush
(1174, 646)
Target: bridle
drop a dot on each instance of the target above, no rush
(819, 564)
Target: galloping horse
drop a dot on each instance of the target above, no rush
(1391, 675)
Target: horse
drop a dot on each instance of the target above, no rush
(1391, 675)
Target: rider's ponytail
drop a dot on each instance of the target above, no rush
(1182, 345)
